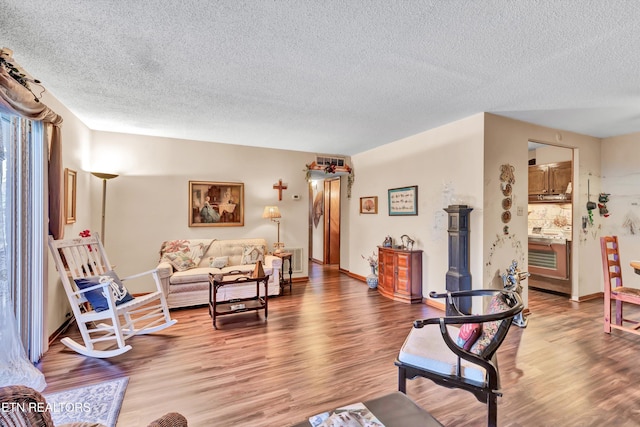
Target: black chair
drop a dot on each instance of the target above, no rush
(451, 357)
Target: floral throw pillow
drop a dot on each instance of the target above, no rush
(252, 254)
(490, 329)
(182, 254)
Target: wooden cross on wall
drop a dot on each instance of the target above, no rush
(279, 186)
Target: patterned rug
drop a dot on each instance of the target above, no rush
(97, 403)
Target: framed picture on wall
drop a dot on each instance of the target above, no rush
(369, 205)
(70, 195)
(403, 201)
(216, 204)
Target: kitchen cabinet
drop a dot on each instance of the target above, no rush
(548, 180)
(400, 274)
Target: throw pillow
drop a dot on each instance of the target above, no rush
(182, 254)
(468, 334)
(196, 250)
(252, 254)
(218, 262)
(181, 261)
(490, 329)
(96, 297)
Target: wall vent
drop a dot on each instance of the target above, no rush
(296, 259)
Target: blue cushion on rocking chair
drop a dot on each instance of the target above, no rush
(96, 298)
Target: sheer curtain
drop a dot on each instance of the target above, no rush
(16, 296)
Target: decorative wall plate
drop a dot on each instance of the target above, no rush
(507, 190)
(506, 203)
(506, 216)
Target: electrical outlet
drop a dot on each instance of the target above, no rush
(520, 211)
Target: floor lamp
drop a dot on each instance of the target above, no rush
(104, 177)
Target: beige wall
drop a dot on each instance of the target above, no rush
(444, 164)
(148, 202)
(621, 178)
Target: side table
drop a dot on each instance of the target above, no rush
(285, 256)
(219, 308)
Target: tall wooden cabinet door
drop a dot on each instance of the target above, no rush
(538, 179)
(386, 272)
(559, 177)
(403, 277)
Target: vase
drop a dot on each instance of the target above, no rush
(372, 279)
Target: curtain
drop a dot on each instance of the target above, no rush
(16, 99)
(22, 262)
(15, 367)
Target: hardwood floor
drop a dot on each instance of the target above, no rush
(333, 342)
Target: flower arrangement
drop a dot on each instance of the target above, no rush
(372, 260)
(86, 233)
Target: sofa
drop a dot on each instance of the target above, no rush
(185, 266)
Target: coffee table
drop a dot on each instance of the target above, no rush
(395, 410)
(240, 305)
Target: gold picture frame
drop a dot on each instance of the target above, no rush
(216, 204)
(369, 205)
(70, 177)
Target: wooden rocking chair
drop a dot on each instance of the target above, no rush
(614, 290)
(83, 260)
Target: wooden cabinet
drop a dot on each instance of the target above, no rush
(400, 274)
(549, 179)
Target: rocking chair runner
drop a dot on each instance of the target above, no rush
(433, 349)
(85, 258)
(614, 289)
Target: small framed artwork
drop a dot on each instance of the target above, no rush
(70, 195)
(216, 204)
(403, 201)
(369, 205)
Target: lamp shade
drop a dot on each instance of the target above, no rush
(271, 212)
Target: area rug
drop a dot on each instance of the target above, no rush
(97, 403)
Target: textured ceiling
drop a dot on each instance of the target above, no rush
(331, 76)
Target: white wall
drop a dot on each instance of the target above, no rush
(621, 178)
(444, 164)
(148, 202)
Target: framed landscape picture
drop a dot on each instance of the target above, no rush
(403, 201)
(216, 204)
(369, 205)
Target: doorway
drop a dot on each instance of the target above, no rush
(324, 221)
(550, 217)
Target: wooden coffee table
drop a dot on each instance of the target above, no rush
(240, 305)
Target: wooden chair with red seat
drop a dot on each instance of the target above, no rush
(614, 290)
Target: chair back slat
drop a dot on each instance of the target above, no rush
(611, 262)
(78, 258)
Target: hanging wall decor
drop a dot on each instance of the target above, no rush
(507, 179)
